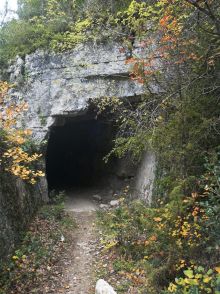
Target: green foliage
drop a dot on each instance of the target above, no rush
(69, 39)
(57, 25)
(197, 280)
(164, 240)
(180, 124)
(173, 121)
(55, 211)
(29, 37)
(30, 8)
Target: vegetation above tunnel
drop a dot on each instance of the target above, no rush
(58, 25)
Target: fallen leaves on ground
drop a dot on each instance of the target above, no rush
(36, 266)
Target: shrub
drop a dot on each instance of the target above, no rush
(164, 240)
(197, 280)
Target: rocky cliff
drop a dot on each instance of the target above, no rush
(58, 87)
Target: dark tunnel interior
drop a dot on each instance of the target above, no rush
(75, 152)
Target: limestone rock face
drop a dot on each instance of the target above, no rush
(59, 85)
(102, 287)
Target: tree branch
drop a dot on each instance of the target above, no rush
(208, 12)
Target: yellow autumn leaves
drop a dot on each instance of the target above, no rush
(17, 156)
(14, 159)
(197, 278)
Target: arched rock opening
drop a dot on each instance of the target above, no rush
(75, 152)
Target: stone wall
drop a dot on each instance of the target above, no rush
(18, 202)
(145, 177)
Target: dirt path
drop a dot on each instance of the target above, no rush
(78, 272)
(59, 256)
(75, 271)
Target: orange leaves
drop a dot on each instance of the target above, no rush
(164, 21)
(196, 211)
(167, 38)
(146, 242)
(217, 269)
(15, 159)
(153, 238)
(137, 276)
(171, 46)
(142, 69)
(148, 72)
(131, 60)
(157, 219)
(170, 25)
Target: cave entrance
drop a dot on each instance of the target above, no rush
(75, 153)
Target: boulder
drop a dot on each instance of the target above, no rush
(102, 287)
(114, 203)
(104, 206)
(97, 197)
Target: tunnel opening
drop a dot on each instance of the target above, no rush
(75, 153)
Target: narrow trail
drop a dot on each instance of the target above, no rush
(78, 266)
(78, 273)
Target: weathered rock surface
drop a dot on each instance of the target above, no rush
(18, 202)
(104, 206)
(60, 85)
(114, 203)
(145, 177)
